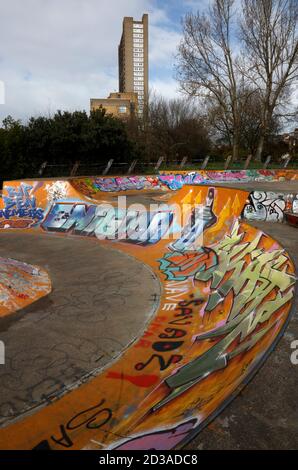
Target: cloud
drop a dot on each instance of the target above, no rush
(58, 55)
(167, 88)
(163, 46)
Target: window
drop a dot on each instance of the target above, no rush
(122, 109)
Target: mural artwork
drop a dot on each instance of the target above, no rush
(226, 296)
(265, 206)
(20, 209)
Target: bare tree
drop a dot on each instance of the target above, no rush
(269, 32)
(207, 67)
(174, 128)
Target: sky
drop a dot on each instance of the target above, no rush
(57, 54)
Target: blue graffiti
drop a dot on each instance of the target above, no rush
(177, 181)
(104, 222)
(19, 203)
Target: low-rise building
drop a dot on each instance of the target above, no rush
(121, 105)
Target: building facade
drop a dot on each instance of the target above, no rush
(133, 59)
(121, 105)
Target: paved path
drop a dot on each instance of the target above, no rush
(101, 300)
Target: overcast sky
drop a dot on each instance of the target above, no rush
(57, 54)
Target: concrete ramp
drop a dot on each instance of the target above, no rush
(226, 294)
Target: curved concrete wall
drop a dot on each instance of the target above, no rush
(227, 291)
(261, 205)
(176, 180)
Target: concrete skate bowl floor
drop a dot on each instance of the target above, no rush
(100, 302)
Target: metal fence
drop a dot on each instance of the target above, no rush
(113, 167)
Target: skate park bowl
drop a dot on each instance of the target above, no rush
(134, 309)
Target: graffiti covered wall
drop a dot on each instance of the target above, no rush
(175, 180)
(227, 290)
(260, 206)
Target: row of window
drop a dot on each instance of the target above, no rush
(138, 35)
(137, 26)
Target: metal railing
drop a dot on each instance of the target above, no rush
(113, 167)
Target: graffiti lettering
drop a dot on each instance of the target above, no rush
(180, 266)
(201, 218)
(251, 283)
(107, 222)
(163, 365)
(185, 315)
(92, 418)
(265, 206)
(21, 204)
(294, 355)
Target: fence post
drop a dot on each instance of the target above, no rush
(183, 161)
(267, 161)
(247, 161)
(228, 161)
(107, 168)
(42, 167)
(287, 161)
(132, 166)
(75, 168)
(158, 163)
(205, 162)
